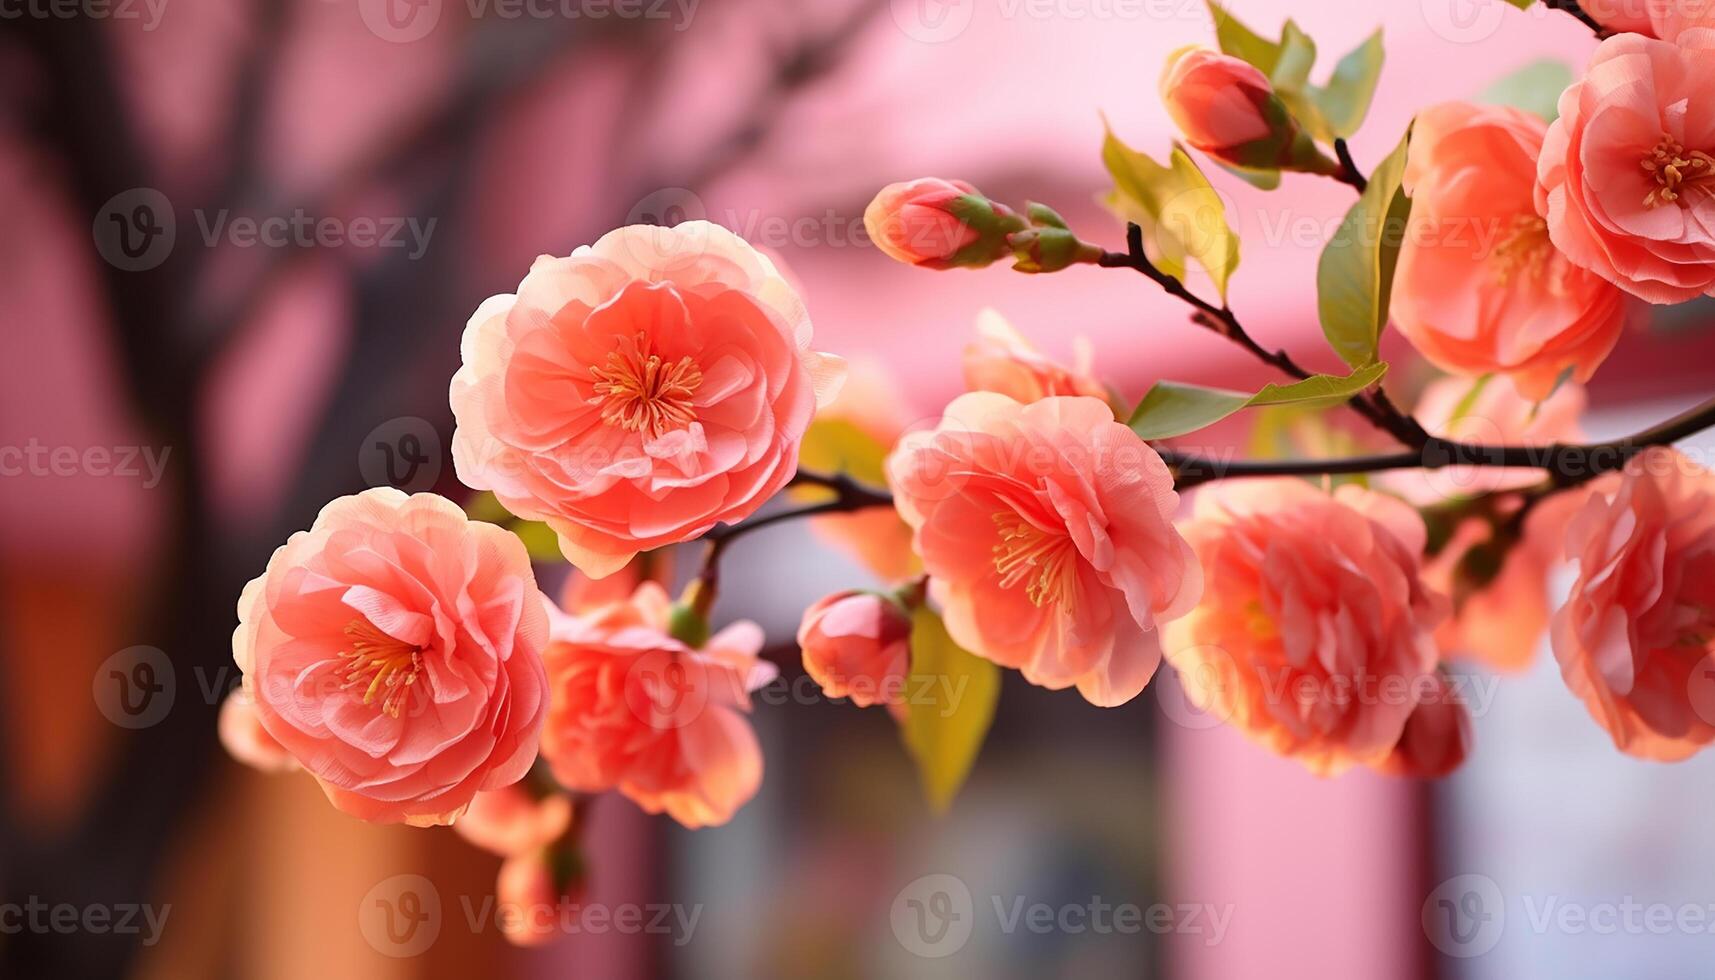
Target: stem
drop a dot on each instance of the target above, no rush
(1374, 407)
(1349, 172)
(1572, 7)
(849, 495)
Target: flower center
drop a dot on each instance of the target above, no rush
(381, 665)
(1523, 248)
(1673, 166)
(1044, 560)
(644, 393)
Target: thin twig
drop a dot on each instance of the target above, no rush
(1349, 172)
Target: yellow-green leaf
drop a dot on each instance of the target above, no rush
(1174, 409)
(836, 445)
(1534, 88)
(1181, 214)
(1354, 279)
(1243, 43)
(1345, 100)
(539, 540)
(951, 698)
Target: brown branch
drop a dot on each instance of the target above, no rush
(1565, 465)
(1349, 172)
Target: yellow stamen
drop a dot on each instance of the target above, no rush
(1525, 247)
(1673, 166)
(644, 393)
(381, 664)
(1047, 560)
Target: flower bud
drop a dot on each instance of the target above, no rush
(528, 899)
(245, 739)
(1228, 109)
(857, 645)
(940, 224)
(1049, 245)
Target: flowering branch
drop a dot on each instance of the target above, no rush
(1374, 406)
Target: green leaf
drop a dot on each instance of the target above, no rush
(1534, 88)
(1264, 180)
(1181, 214)
(1297, 57)
(1334, 110)
(1354, 279)
(485, 507)
(837, 445)
(1174, 409)
(1243, 43)
(1345, 100)
(539, 539)
(1522, 4)
(951, 698)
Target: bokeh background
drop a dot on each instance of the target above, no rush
(192, 382)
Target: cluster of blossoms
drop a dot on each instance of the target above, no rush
(660, 385)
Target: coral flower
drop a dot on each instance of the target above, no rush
(1316, 634)
(1665, 19)
(1437, 735)
(1635, 636)
(633, 708)
(1479, 287)
(513, 820)
(857, 645)
(393, 649)
(1046, 530)
(1626, 180)
(638, 392)
(1003, 361)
